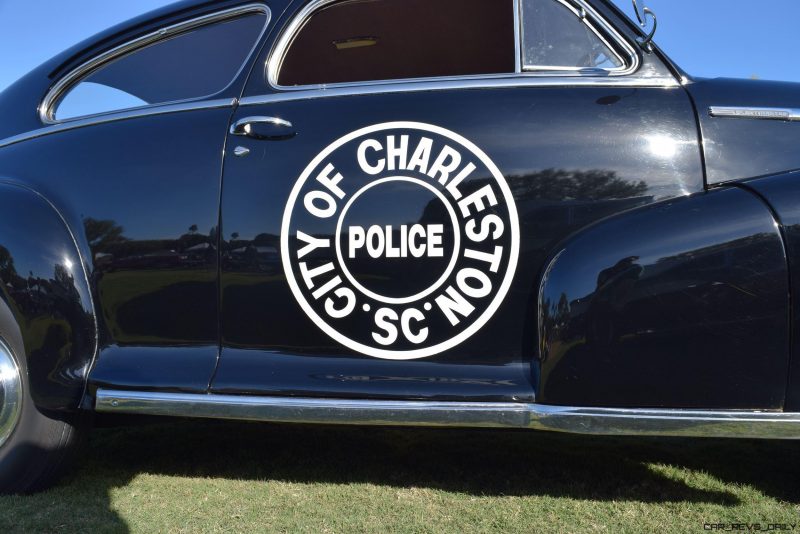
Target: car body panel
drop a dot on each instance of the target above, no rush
(181, 236)
(570, 155)
(783, 194)
(143, 209)
(690, 309)
(741, 148)
(47, 293)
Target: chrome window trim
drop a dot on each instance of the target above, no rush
(281, 46)
(49, 103)
(437, 84)
(758, 113)
(422, 85)
(279, 49)
(517, 36)
(579, 420)
(145, 111)
(587, 15)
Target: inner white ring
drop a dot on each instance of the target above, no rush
(435, 285)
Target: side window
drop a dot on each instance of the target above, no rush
(557, 36)
(196, 63)
(363, 40)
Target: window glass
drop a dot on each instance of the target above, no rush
(361, 40)
(194, 64)
(554, 36)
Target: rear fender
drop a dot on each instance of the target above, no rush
(46, 307)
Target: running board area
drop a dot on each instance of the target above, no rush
(605, 421)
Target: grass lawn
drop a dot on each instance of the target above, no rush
(209, 476)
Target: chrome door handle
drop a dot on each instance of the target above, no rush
(268, 128)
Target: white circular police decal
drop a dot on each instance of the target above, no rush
(400, 240)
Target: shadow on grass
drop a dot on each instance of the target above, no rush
(476, 462)
(472, 462)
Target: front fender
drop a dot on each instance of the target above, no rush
(679, 304)
(46, 291)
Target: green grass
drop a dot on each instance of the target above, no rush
(208, 476)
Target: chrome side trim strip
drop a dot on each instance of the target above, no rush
(607, 421)
(47, 107)
(118, 116)
(740, 112)
(502, 81)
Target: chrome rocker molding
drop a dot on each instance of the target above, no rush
(737, 112)
(10, 393)
(607, 421)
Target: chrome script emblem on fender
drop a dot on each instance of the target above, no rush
(400, 240)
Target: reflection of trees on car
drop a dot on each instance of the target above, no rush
(102, 234)
(261, 254)
(614, 287)
(112, 250)
(561, 184)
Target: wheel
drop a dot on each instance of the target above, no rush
(35, 447)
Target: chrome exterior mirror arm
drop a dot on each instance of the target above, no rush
(642, 13)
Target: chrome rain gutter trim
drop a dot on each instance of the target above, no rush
(741, 112)
(46, 107)
(601, 421)
(118, 116)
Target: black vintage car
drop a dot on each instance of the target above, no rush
(492, 213)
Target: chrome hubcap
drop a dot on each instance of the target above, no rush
(10, 394)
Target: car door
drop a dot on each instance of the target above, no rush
(398, 173)
(130, 153)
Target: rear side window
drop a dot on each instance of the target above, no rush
(193, 64)
(558, 36)
(362, 40)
